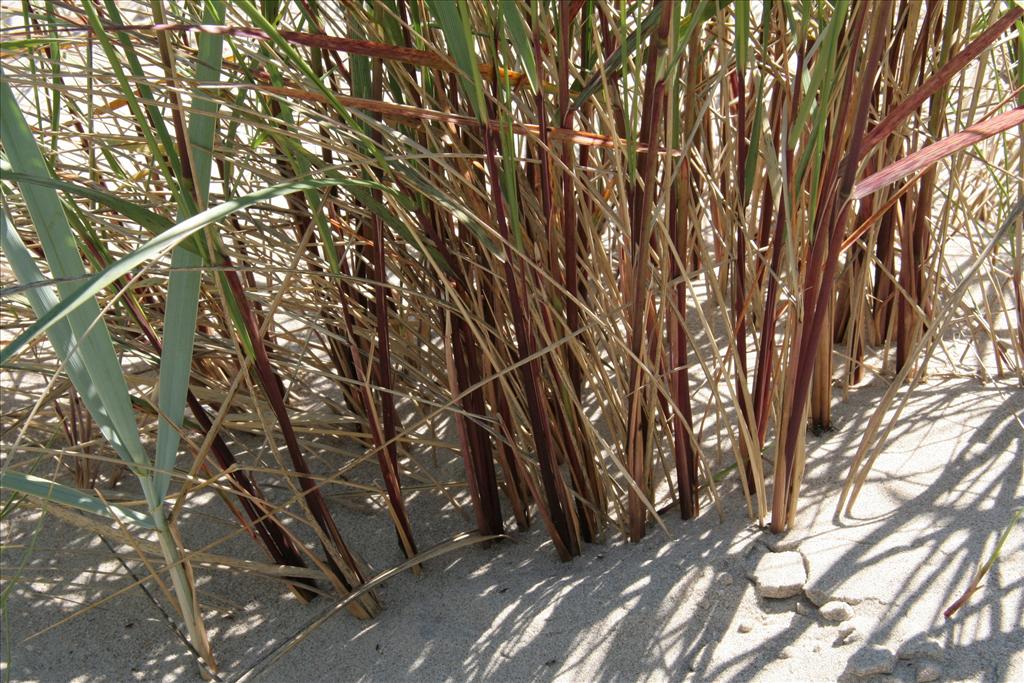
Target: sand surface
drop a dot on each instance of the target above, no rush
(680, 605)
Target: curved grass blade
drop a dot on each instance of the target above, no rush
(103, 382)
(103, 386)
(153, 222)
(937, 151)
(52, 491)
(185, 278)
(453, 16)
(156, 247)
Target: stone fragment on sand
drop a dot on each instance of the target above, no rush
(789, 652)
(836, 610)
(871, 661)
(854, 630)
(920, 647)
(818, 597)
(854, 636)
(779, 575)
(745, 627)
(928, 673)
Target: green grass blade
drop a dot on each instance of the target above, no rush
(742, 32)
(614, 63)
(42, 298)
(51, 491)
(154, 223)
(185, 278)
(824, 66)
(755, 144)
(453, 16)
(163, 151)
(107, 382)
(156, 247)
(519, 35)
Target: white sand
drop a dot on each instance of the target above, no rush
(676, 606)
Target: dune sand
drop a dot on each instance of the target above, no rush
(680, 605)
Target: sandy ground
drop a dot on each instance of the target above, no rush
(676, 606)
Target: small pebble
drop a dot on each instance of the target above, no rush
(928, 673)
(745, 627)
(836, 610)
(788, 653)
(853, 636)
(855, 629)
(779, 575)
(920, 647)
(871, 661)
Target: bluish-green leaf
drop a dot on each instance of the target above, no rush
(53, 492)
(519, 35)
(453, 17)
(103, 386)
(157, 247)
(185, 278)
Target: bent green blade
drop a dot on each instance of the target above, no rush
(51, 491)
(157, 247)
(104, 382)
(185, 279)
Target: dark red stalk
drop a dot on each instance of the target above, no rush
(578, 451)
(739, 86)
(816, 310)
(388, 456)
(641, 200)
(770, 243)
(849, 318)
(539, 37)
(569, 224)
(940, 78)
(517, 480)
(885, 257)
(469, 445)
(350, 576)
(510, 462)
(816, 360)
(475, 442)
(586, 488)
(557, 497)
(275, 539)
(682, 417)
(483, 463)
(273, 536)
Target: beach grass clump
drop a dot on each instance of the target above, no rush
(600, 257)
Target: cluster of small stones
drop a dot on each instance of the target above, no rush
(781, 575)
